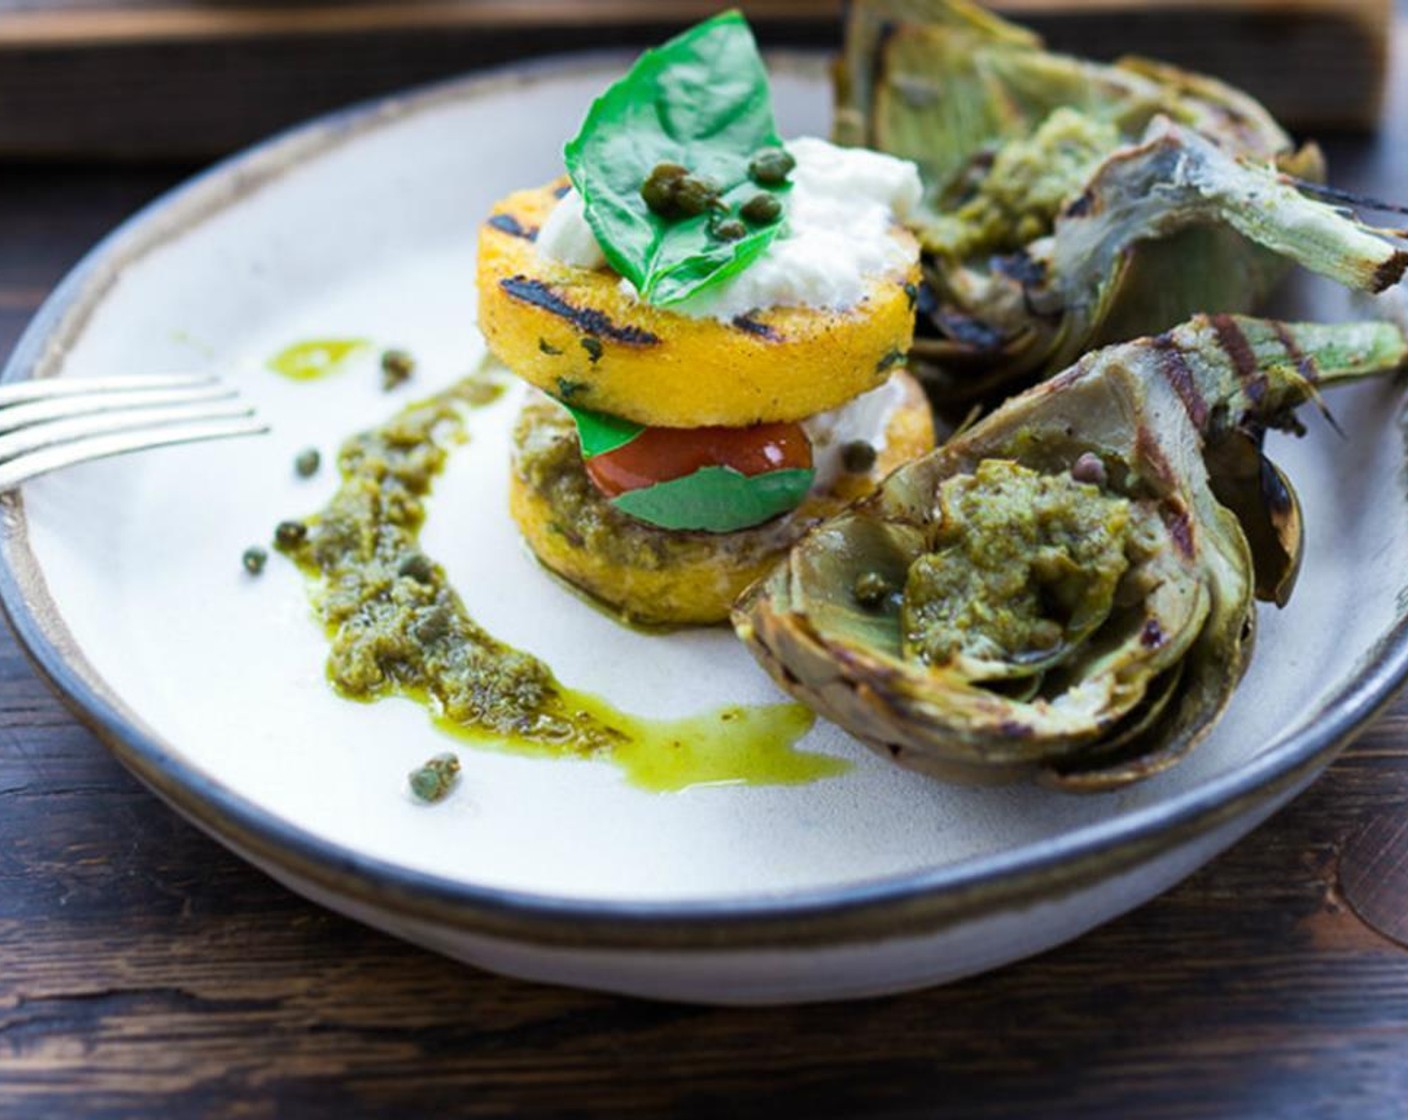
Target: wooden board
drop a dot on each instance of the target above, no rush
(147, 972)
(150, 79)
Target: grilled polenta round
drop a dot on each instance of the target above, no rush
(660, 576)
(576, 335)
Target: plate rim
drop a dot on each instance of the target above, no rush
(894, 906)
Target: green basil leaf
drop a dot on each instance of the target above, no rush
(600, 432)
(702, 101)
(717, 499)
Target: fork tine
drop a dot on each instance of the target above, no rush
(48, 459)
(35, 437)
(15, 416)
(43, 388)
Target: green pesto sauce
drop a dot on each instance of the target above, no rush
(729, 746)
(397, 628)
(1030, 180)
(315, 358)
(1021, 562)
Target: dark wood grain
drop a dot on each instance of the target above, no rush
(1374, 875)
(191, 78)
(146, 972)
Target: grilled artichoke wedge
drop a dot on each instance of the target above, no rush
(1071, 204)
(1066, 589)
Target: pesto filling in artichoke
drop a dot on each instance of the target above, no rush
(1023, 566)
(1025, 185)
(1067, 587)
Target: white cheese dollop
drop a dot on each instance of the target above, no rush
(840, 211)
(865, 418)
(565, 237)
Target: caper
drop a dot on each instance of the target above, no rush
(762, 209)
(253, 560)
(858, 456)
(1089, 469)
(1047, 635)
(661, 186)
(433, 625)
(435, 779)
(416, 566)
(872, 589)
(306, 463)
(290, 534)
(695, 195)
(396, 367)
(771, 166)
(731, 229)
(659, 196)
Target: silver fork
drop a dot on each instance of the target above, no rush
(55, 422)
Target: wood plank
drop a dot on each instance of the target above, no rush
(191, 80)
(149, 972)
(145, 971)
(92, 21)
(85, 25)
(1373, 876)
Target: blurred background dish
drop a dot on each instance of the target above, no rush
(187, 79)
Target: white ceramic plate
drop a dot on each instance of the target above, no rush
(124, 580)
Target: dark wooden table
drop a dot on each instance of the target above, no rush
(144, 971)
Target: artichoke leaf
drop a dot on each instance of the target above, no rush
(1136, 658)
(1258, 492)
(955, 32)
(1041, 242)
(1236, 222)
(1177, 179)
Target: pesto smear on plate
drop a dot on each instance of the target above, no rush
(397, 628)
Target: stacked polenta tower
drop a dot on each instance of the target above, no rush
(716, 323)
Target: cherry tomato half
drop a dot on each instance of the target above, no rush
(662, 454)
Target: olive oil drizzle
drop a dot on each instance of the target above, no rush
(397, 628)
(316, 358)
